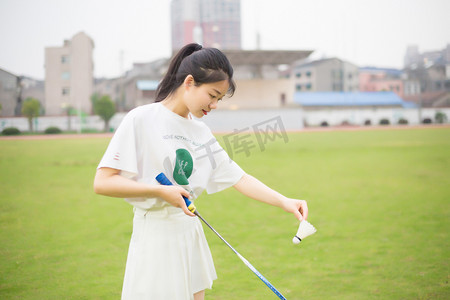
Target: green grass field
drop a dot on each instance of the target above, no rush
(379, 199)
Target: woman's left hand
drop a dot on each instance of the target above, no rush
(298, 207)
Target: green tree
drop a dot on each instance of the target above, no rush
(30, 109)
(105, 108)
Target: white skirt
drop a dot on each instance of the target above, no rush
(168, 257)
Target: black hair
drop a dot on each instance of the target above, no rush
(206, 65)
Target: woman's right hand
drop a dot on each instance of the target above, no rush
(174, 195)
(109, 182)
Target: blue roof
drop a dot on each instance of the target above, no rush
(147, 85)
(390, 71)
(350, 99)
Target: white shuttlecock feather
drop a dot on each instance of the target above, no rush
(304, 229)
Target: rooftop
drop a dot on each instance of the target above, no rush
(265, 57)
(308, 63)
(147, 85)
(389, 71)
(346, 99)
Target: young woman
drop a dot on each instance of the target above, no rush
(168, 256)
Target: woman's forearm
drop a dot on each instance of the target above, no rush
(255, 189)
(109, 182)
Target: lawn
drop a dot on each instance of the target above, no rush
(379, 199)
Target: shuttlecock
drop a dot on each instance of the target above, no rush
(304, 229)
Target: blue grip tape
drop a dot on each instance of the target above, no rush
(162, 179)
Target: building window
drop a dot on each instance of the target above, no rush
(65, 75)
(308, 74)
(308, 86)
(337, 74)
(65, 59)
(298, 75)
(298, 87)
(65, 91)
(337, 87)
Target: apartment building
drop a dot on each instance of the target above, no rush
(326, 75)
(427, 77)
(373, 79)
(211, 23)
(69, 75)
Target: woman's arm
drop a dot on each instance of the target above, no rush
(109, 182)
(255, 189)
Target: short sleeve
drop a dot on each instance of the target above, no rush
(121, 153)
(226, 172)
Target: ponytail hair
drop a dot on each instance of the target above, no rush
(206, 65)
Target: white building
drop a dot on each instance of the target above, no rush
(326, 75)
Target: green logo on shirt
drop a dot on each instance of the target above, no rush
(183, 167)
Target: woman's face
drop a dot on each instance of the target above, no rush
(201, 99)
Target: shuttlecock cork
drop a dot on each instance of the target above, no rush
(304, 229)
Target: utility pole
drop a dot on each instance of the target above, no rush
(258, 34)
(121, 100)
(197, 31)
(420, 108)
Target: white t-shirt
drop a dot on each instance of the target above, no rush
(152, 139)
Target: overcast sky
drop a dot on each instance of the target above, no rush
(364, 32)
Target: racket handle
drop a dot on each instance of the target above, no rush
(162, 179)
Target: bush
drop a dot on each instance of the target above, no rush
(367, 122)
(402, 121)
(324, 124)
(384, 122)
(440, 117)
(53, 130)
(427, 121)
(11, 131)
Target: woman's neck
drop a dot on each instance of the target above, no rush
(175, 104)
